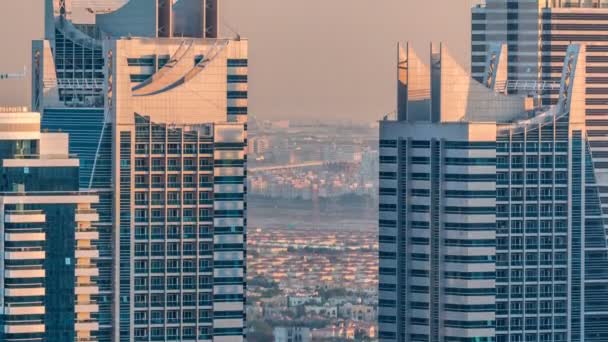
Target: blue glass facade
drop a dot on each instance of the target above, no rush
(90, 138)
(47, 238)
(536, 211)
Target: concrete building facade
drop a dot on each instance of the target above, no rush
(48, 263)
(491, 225)
(156, 106)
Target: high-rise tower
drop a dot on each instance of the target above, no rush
(48, 261)
(491, 226)
(552, 26)
(155, 102)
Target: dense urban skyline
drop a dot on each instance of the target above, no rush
(296, 45)
(311, 171)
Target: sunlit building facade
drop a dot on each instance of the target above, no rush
(491, 226)
(49, 260)
(156, 106)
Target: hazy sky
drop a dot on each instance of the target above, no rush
(309, 59)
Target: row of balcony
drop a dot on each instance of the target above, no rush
(160, 150)
(176, 168)
(561, 147)
(24, 328)
(177, 237)
(184, 305)
(177, 271)
(161, 202)
(177, 186)
(162, 321)
(189, 219)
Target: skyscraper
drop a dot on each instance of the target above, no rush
(156, 106)
(552, 26)
(48, 261)
(491, 225)
(537, 34)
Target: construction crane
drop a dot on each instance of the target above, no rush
(14, 75)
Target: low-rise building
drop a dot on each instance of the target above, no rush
(322, 310)
(292, 334)
(358, 312)
(293, 301)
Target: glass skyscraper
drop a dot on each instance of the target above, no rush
(49, 260)
(155, 102)
(491, 225)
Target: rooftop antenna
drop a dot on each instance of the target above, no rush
(21, 75)
(6, 76)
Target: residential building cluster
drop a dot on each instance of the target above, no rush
(298, 258)
(312, 161)
(325, 281)
(331, 180)
(284, 142)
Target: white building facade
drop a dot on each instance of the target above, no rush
(156, 104)
(491, 226)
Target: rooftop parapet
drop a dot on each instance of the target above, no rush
(138, 18)
(442, 91)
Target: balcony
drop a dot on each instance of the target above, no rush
(86, 271)
(160, 320)
(158, 219)
(24, 292)
(86, 215)
(87, 253)
(34, 236)
(25, 255)
(23, 329)
(86, 326)
(25, 273)
(24, 310)
(90, 235)
(24, 216)
(86, 308)
(86, 289)
(141, 185)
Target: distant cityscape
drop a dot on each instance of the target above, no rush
(309, 277)
(140, 201)
(296, 161)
